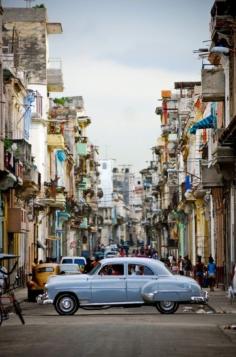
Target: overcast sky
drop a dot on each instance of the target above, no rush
(119, 55)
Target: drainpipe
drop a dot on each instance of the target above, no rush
(193, 238)
(212, 225)
(232, 241)
(225, 61)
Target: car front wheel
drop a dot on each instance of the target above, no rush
(167, 307)
(66, 304)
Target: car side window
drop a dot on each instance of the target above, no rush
(112, 269)
(139, 269)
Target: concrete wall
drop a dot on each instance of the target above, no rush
(31, 26)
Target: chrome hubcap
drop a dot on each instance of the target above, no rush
(167, 305)
(66, 304)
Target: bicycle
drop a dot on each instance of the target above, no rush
(8, 301)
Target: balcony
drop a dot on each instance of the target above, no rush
(31, 183)
(224, 161)
(81, 149)
(58, 202)
(56, 141)
(16, 167)
(165, 129)
(22, 151)
(213, 85)
(83, 121)
(210, 177)
(222, 13)
(54, 76)
(223, 155)
(55, 136)
(84, 184)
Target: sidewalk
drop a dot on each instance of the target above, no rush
(220, 303)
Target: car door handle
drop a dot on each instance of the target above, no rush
(122, 278)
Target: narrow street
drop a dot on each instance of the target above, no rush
(117, 332)
(118, 178)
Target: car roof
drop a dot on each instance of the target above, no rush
(132, 260)
(74, 257)
(68, 265)
(41, 265)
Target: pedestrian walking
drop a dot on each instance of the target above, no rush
(199, 271)
(181, 265)
(187, 266)
(174, 266)
(211, 273)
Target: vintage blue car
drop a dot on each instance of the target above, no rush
(122, 281)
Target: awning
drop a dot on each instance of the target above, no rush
(206, 123)
(40, 245)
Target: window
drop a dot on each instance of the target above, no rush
(45, 270)
(79, 261)
(139, 269)
(112, 269)
(67, 261)
(104, 166)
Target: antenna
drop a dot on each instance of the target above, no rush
(28, 3)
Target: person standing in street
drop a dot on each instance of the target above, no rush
(211, 273)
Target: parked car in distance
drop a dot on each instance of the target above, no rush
(39, 277)
(122, 281)
(80, 261)
(110, 254)
(99, 254)
(114, 247)
(69, 269)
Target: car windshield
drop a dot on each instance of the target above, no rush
(67, 261)
(95, 269)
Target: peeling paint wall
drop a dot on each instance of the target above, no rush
(32, 45)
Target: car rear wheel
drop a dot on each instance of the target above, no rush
(66, 304)
(167, 307)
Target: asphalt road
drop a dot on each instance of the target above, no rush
(139, 332)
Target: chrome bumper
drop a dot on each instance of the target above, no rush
(43, 299)
(200, 299)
